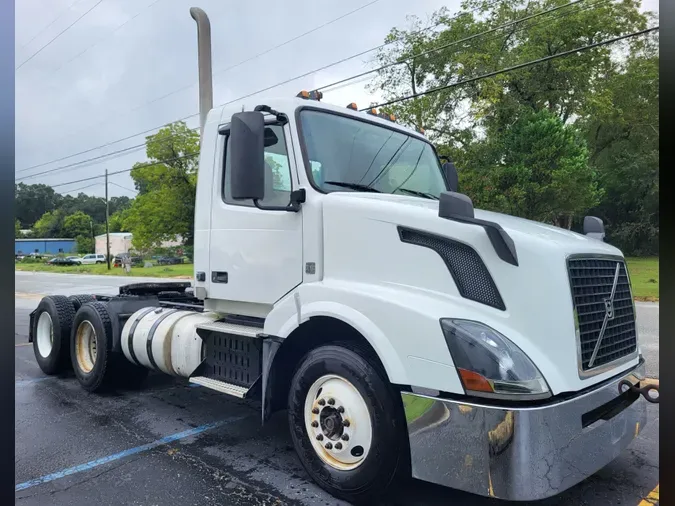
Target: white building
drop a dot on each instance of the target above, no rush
(120, 242)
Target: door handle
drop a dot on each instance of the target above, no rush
(218, 277)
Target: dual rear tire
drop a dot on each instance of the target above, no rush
(77, 331)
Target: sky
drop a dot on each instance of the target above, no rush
(126, 66)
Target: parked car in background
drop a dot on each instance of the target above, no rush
(77, 260)
(62, 261)
(93, 259)
(169, 260)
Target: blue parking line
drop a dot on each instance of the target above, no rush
(126, 453)
(21, 383)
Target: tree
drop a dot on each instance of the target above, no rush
(77, 224)
(85, 244)
(50, 225)
(623, 132)
(17, 229)
(116, 222)
(164, 207)
(539, 170)
(32, 201)
(607, 96)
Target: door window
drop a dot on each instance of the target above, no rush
(277, 171)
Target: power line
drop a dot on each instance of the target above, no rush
(107, 37)
(514, 67)
(260, 54)
(450, 44)
(123, 187)
(324, 67)
(60, 33)
(445, 46)
(434, 90)
(50, 24)
(82, 163)
(82, 188)
(126, 170)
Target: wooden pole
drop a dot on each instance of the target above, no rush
(107, 228)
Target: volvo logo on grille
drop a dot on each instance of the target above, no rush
(609, 308)
(609, 314)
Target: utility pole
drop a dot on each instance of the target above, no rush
(107, 229)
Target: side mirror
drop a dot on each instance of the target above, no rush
(594, 227)
(247, 155)
(453, 205)
(451, 177)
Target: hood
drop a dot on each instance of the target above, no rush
(520, 229)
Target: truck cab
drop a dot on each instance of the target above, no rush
(342, 276)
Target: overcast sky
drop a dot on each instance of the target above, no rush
(104, 78)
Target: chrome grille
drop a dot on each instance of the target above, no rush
(591, 281)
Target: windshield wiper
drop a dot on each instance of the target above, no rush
(419, 193)
(353, 186)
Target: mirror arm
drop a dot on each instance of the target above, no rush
(297, 197)
(281, 117)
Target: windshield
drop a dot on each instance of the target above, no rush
(346, 154)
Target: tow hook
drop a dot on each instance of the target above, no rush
(644, 390)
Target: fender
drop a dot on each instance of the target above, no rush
(375, 337)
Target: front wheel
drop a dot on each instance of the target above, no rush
(346, 423)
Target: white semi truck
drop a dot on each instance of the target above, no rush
(340, 275)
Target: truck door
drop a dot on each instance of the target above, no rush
(255, 255)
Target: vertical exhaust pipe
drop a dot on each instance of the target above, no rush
(204, 56)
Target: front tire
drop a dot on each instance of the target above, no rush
(346, 422)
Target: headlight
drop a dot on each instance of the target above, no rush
(490, 365)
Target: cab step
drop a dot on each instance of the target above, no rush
(228, 328)
(232, 361)
(220, 386)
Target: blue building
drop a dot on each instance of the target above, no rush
(42, 246)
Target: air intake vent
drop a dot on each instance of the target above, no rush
(592, 280)
(467, 269)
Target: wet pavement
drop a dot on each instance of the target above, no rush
(172, 444)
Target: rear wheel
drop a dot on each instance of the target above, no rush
(79, 300)
(51, 332)
(347, 426)
(96, 367)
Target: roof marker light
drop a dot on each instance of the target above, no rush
(372, 111)
(310, 95)
(353, 106)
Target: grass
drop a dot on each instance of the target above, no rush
(158, 271)
(644, 276)
(644, 273)
(416, 407)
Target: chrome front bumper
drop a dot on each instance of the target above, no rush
(522, 453)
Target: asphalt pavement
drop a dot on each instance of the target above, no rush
(172, 444)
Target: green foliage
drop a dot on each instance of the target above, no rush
(17, 229)
(77, 224)
(85, 244)
(554, 141)
(50, 225)
(32, 201)
(164, 207)
(116, 221)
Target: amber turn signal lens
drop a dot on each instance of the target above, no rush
(474, 381)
